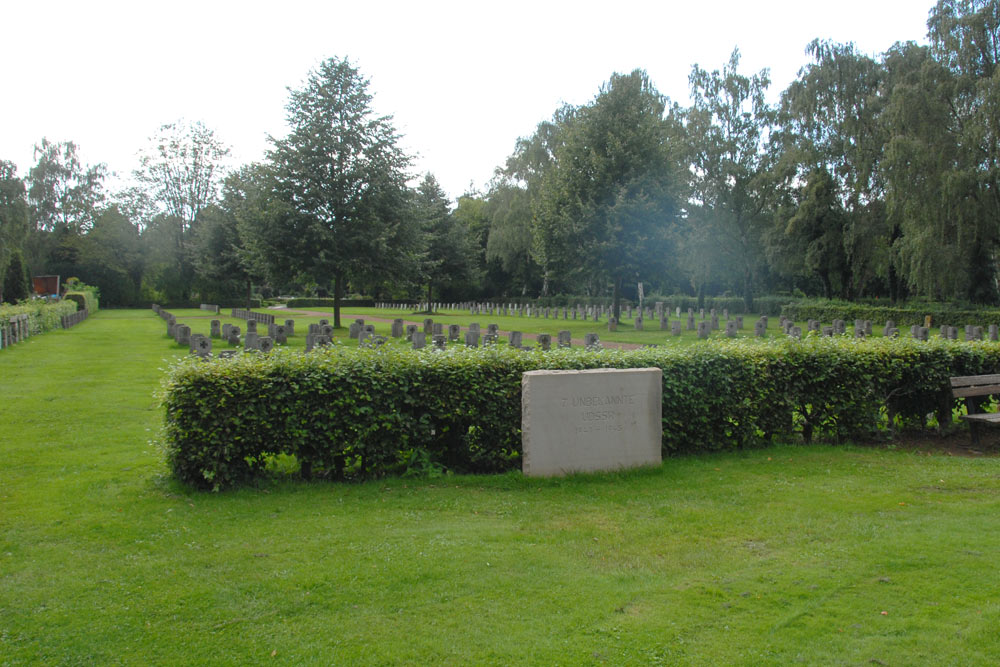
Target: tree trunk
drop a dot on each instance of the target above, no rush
(748, 290)
(616, 305)
(249, 295)
(824, 276)
(338, 285)
(430, 291)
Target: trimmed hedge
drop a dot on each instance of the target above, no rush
(85, 299)
(354, 412)
(328, 303)
(44, 315)
(827, 311)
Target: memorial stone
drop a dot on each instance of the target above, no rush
(472, 339)
(638, 322)
(675, 327)
(514, 339)
(544, 341)
(397, 328)
(354, 330)
(454, 332)
(419, 340)
(411, 329)
(731, 328)
(216, 329)
(612, 324)
(703, 328)
(251, 340)
(592, 341)
(564, 339)
(265, 344)
(590, 420)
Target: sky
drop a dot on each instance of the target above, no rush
(462, 80)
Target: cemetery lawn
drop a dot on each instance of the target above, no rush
(815, 554)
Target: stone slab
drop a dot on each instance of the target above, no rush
(590, 420)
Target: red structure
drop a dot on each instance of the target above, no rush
(45, 285)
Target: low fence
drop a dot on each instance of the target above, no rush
(14, 330)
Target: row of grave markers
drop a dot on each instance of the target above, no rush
(15, 330)
(578, 312)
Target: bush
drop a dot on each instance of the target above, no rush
(904, 317)
(317, 302)
(353, 412)
(84, 299)
(43, 315)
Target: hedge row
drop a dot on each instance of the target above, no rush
(353, 412)
(329, 303)
(827, 311)
(85, 299)
(44, 315)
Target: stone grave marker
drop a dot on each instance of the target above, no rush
(354, 330)
(612, 324)
(251, 326)
(514, 339)
(411, 329)
(544, 341)
(760, 328)
(203, 348)
(675, 327)
(280, 334)
(251, 340)
(265, 344)
(397, 328)
(592, 341)
(428, 327)
(564, 339)
(419, 340)
(472, 339)
(439, 342)
(703, 328)
(490, 339)
(664, 323)
(289, 328)
(638, 323)
(731, 328)
(590, 420)
(454, 333)
(216, 329)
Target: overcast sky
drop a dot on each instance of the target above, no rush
(463, 80)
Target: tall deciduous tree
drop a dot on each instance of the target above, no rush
(342, 175)
(607, 202)
(14, 219)
(63, 192)
(832, 122)
(729, 125)
(448, 251)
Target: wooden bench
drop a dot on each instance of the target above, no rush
(974, 389)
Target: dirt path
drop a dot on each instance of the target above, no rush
(526, 336)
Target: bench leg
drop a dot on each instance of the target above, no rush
(974, 430)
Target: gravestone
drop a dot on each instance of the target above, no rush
(492, 329)
(251, 340)
(182, 334)
(703, 328)
(827, 331)
(397, 328)
(739, 322)
(690, 322)
(715, 322)
(289, 328)
(225, 330)
(472, 339)
(564, 339)
(664, 323)
(544, 341)
(251, 326)
(924, 333)
(439, 342)
(590, 420)
(514, 339)
(313, 329)
(216, 329)
(592, 341)
(993, 332)
(454, 332)
(490, 339)
(428, 327)
(612, 324)
(795, 332)
(638, 323)
(265, 344)
(419, 340)
(365, 338)
(326, 330)
(760, 328)
(323, 323)
(839, 327)
(354, 330)
(411, 329)
(280, 334)
(474, 327)
(675, 327)
(234, 336)
(437, 329)
(731, 328)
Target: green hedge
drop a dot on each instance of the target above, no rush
(904, 317)
(44, 315)
(361, 413)
(83, 299)
(328, 303)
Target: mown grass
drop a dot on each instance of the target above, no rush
(784, 555)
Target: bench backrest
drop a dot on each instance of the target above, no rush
(975, 385)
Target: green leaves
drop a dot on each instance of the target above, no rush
(357, 413)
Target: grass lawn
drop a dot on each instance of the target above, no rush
(819, 554)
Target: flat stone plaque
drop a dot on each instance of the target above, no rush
(585, 421)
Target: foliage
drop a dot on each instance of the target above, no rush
(359, 413)
(906, 316)
(64, 193)
(16, 283)
(327, 303)
(342, 178)
(43, 315)
(85, 297)
(14, 220)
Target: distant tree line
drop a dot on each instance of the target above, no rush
(873, 176)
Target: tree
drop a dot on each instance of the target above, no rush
(17, 286)
(110, 257)
(606, 203)
(342, 176)
(831, 117)
(14, 219)
(447, 257)
(943, 155)
(816, 230)
(728, 125)
(180, 172)
(63, 192)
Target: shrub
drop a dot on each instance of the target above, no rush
(83, 298)
(353, 412)
(317, 302)
(43, 315)
(827, 311)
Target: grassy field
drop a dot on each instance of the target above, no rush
(818, 555)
